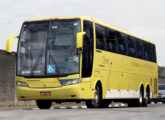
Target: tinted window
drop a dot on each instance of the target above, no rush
(100, 37)
(117, 42)
(111, 40)
(122, 47)
(139, 48)
(131, 46)
(146, 51)
(152, 53)
(87, 50)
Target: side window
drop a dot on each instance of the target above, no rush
(122, 47)
(152, 53)
(87, 49)
(131, 46)
(139, 48)
(146, 51)
(111, 40)
(100, 37)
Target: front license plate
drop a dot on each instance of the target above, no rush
(45, 93)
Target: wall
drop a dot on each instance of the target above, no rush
(162, 75)
(8, 95)
(7, 78)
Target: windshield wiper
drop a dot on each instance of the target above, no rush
(36, 62)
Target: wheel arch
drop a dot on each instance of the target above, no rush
(98, 83)
(142, 87)
(148, 89)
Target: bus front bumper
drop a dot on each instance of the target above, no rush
(65, 92)
(70, 92)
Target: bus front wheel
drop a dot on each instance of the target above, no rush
(44, 104)
(96, 102)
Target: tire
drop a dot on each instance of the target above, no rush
(44, 104)
(146, 99)
(141, 101)
(155, 102)
(137, 102)
(96, 102)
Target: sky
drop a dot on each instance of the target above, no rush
(145, 18)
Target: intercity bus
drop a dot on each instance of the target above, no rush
(74, 59)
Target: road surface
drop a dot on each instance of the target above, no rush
(152, 112)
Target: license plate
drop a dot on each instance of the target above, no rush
(45, 93)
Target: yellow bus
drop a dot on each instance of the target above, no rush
(77, 59)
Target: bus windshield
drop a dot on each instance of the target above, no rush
(48, 48)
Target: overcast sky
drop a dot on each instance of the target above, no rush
(145, 18)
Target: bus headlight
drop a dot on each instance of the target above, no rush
(22, 84)
(70, 81)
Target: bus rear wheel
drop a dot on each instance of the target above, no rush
(137, 102)
(147, 98)
(44, 104)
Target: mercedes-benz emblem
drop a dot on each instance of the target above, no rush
(44, 85)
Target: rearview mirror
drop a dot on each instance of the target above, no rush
(9, 43)
(80, 35)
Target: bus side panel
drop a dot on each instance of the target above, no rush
(101, 69)
(121, 80)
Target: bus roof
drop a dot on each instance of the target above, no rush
(96, 21)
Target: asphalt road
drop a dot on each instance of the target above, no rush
(152, 112)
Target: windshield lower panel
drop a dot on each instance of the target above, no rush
(48, 48)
